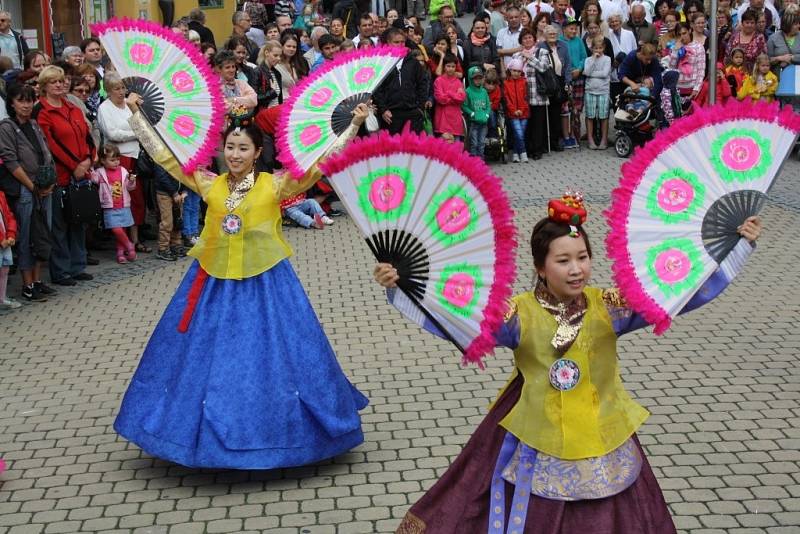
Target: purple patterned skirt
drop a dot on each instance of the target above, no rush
(459, 502)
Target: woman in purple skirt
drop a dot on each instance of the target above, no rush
(558, 453)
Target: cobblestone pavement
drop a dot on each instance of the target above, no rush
(723, 387)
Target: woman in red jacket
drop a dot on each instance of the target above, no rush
(68, 137)
(515, 94)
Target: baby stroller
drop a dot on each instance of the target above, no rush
(496, 148)
(635, 122)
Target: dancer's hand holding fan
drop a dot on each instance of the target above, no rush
(685, 198)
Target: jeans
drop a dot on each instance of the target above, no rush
(518, 127)
(477, 138)
(191, 214)
(303, 213)
(68, 254)
(23, 211)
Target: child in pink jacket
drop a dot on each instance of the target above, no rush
(449, 93)
(114, 184)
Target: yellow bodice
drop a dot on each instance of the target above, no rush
(247, 241)
(593, 418)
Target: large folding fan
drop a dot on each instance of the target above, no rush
(182, 96)
(681, 198)
(319, 108)
(441, 218)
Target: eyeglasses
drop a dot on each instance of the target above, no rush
(81, 91)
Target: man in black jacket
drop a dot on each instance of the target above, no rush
(12, 44)
(402, 94)
(446, 16)
(197, 21)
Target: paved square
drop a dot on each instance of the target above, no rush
(723, 386)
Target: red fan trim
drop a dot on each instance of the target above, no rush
(208, 148)
(632, 173)
(296, 171)
(490, 188)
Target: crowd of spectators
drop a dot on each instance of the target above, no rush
(542, 69)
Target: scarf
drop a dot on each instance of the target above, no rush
(569, 317)
(478, 41)
(240, 190)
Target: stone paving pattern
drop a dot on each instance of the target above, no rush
(723, 387)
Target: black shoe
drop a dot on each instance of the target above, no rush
(83, 277)
(178, 251)
(536, 157)
(335, 213)
(31, 294)
(90, 260)
(557, 148)
(166, 255)
(43, 288)
(65, 282)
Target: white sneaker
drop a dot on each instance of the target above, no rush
(10, 304)
(327, 220)
(523, 157)
(515, 158)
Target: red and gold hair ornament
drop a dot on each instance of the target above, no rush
(568, 210)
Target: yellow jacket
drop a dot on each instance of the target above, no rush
(765, 92)
(593, 418)
(258, 244)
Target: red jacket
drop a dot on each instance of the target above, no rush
(723, 93)
(67, 135)
(9, 221)
(494, 98)
(515, 92)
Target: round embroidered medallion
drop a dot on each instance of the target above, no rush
(564, 374)
(231, 224)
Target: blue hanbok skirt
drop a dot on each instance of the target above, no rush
(252, 384)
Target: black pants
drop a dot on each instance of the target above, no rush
(536, 135)
(399, 119)
(167, 8)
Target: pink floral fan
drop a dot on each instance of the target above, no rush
(182, 96)
(443, 220)
(319, 108)
(675, 214)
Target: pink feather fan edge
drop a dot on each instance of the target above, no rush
(284, 153)
(490, 188)
(634, 170)
(209, 146)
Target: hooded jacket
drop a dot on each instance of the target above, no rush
(477, 106)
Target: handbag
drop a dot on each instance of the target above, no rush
(45, 176)
(550, 84)
(41, 235)
(427, 124)
(82, 202)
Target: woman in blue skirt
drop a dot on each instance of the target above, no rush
(239, 373)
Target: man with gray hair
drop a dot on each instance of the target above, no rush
(241, 25)
(314, 53)
(12, 45)
(197, 22)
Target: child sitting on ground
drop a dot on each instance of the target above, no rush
(306, 212)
